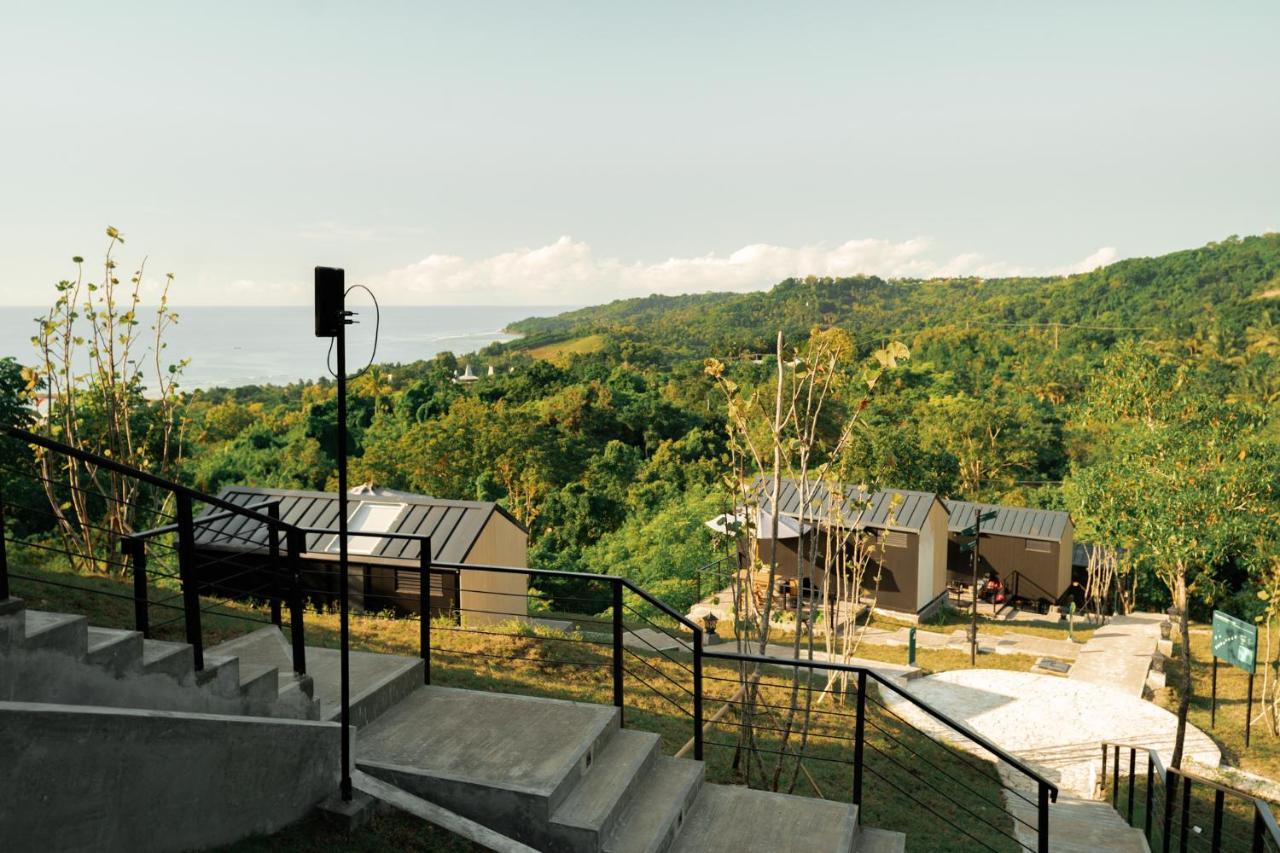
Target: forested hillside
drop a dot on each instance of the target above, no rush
(614, 457)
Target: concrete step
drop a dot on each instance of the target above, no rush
(57, 632)
(591, 810)
(259, 684)
(880, 841)
(13, 622)
(176, 660)
(658, 807)
(730, 819)
(220, 676)
(508, 762)
(117, 651)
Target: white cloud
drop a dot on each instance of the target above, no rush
(568, 272)
(1100, 258)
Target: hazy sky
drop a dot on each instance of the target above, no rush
(542, 153)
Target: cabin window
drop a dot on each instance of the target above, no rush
(1039, 546)
(407, 581)
(367, 518)
(895, 539)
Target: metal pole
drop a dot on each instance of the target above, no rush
(1213, 702)
(1248, 711)
(859, 735)
(618, 697)
(697, 695)
(1133, 757)
(340, 344)
(295, 544)
(137, 549)
(1115, 777)
(1151, 785)
(1215, 843)
(1186, 815)
(190, 582)
(4, 557)
(273, 549)
(424, 608)
(973, 625)
(1043, 818)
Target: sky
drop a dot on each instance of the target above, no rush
(572, 153)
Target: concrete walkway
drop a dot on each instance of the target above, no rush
(1118, 655)
(1056, 726)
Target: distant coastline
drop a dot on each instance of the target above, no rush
(236, 346)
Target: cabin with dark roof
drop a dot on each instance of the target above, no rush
(383, 572)
(908, 575)
(1029, 550)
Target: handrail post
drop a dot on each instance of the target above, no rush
(1042, 818)
(136, 548)
(1215, 843)
(424, 608)
(1115, 777)
(190, 582)
(1259, 830)
(4, 556)
(859, 735)
(295, 543)
(618, 698)
(1133, 757)
(1170, 790)
(1186, 814)
(697, 695)
(1102, 775)
(273, 550)
(1151, 785)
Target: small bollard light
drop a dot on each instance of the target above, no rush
(1071, 613)
(911, 647)
(709, 622)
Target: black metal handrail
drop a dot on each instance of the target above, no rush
(1168, 780)
(296, 547)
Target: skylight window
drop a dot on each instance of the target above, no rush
(367, 518)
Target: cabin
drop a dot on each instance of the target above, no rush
(908, 574)
(382, 572)
(1029, 550)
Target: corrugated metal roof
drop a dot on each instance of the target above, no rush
(888, 509)
(454, 526)
(1045, 524)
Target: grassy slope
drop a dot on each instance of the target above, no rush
(560, 667)
(559, 353)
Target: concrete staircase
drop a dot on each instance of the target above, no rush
(61, 659)
(565, 777)
(559, 776)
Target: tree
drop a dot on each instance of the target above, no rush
(123, 406)
(798, 426)
(1175, 460)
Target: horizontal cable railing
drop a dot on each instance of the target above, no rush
(1181, 810)
(805, 726)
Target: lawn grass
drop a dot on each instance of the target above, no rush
(560, 352)
(948, 619)
(942, 795)
(1262, 756)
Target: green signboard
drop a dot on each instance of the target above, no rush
(1235, 641)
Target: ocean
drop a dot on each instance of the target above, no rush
(258, 346)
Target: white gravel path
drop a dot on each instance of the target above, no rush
(1055, 723)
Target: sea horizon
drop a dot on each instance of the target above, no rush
(230, 346)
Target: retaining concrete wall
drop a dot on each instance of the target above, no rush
(84, 778)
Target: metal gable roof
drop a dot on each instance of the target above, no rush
(1045, 524)
(454, 526)
(891, 509)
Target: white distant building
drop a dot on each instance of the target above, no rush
(467, 376)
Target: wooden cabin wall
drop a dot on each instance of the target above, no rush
(487, 598)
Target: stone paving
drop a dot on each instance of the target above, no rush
(1118, 654)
